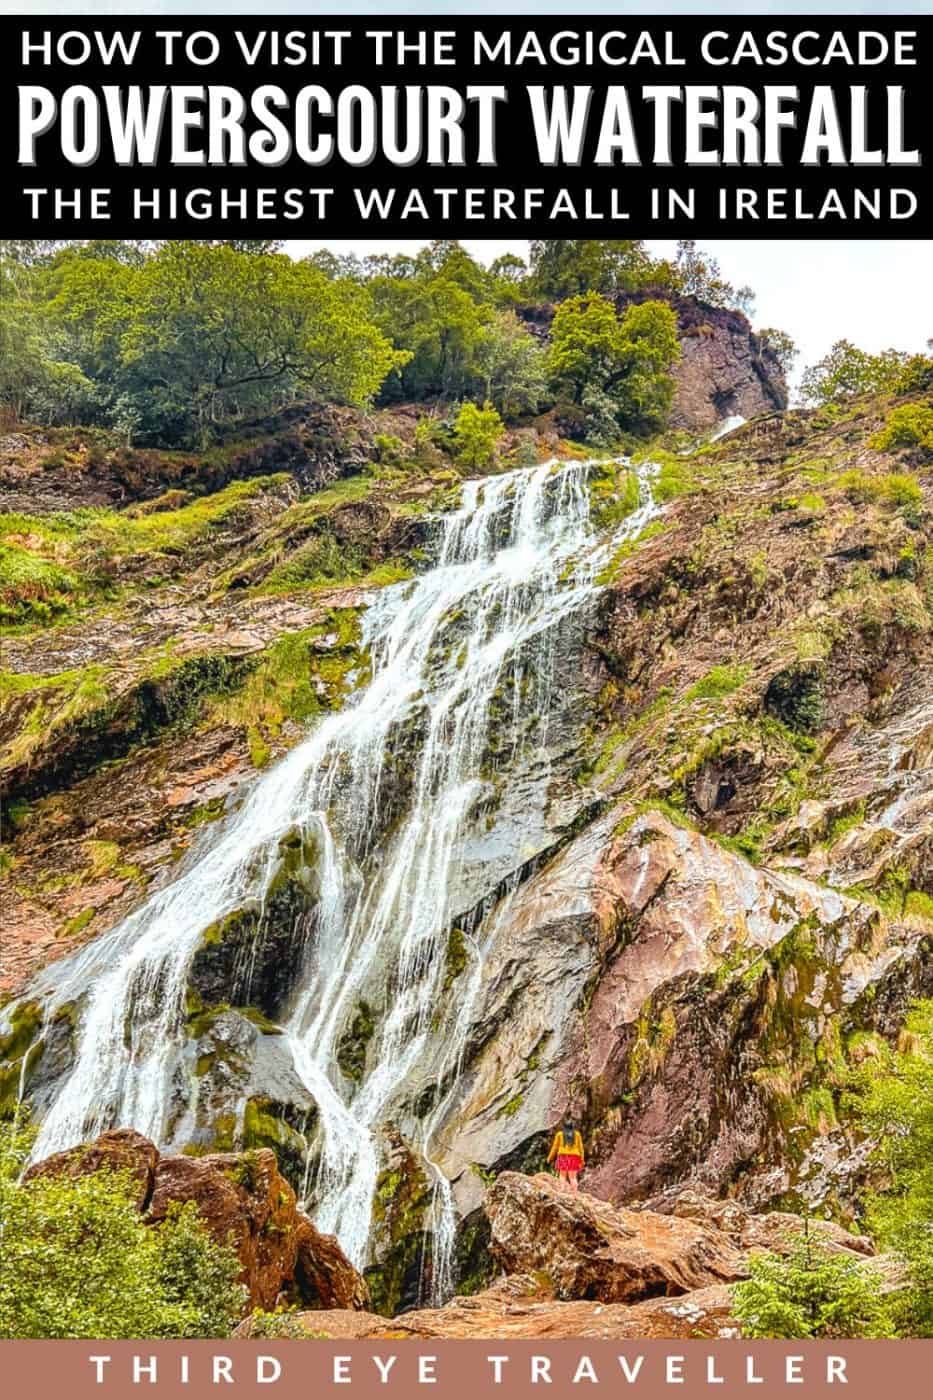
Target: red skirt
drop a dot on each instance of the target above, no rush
(569, 1162)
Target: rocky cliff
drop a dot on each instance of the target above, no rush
(702, 896)
(725, 370)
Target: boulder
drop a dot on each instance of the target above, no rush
(244, 1201)
(588, 1249)
(122, 1150)
(776, 1230)
(326, 1279)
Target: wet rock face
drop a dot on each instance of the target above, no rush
(254, 956)
(706, 1002)
(243, 1201)
(400, 1276)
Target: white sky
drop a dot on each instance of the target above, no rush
(877, 294)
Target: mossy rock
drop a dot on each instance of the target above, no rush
(474, 1266)
(33, 1051)
(202, 1018)
(252, 957)
(25, 1024)
(354, 1043)
(457, 957)
(400, 1208)
(266, 1124)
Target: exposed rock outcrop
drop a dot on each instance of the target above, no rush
(244, 1202)
(122, 1150)
(585, 1269)
(590, 1250)
(725, 369)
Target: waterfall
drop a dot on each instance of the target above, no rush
(464, 655)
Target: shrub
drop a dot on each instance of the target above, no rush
(78, 1261)
(898, 490)
(911, 425)
(477, 432)
(892, 1097)
(810, 1292)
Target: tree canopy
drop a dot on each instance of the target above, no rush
(847, 371)
(173, 342)
(626, 358)
(170, 344)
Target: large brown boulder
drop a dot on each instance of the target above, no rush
(588, 1249)
(122, 1150)
(245, 1202)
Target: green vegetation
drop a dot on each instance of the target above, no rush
(79, 1262)
(566, 267)
(814, 1292)
(613, 494)
(172, 344)
(911, 425)
(102, 704)
(165, 344)
(300, 676)
(477, 433)
(846, 372)
(614, 368)
(892, 1097)
(809, 1292)
(898, 490)
(718, 683)
(49, 567)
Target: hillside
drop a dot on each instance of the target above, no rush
(691, 882)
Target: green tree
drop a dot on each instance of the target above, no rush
(439, 324)
(781, 345)
(199, 333)
(79, 1262)
(593, 351)
(809, 1292)
(36, 379)
(477, 433)
(699, 275)
(233, 332)
(565, 267)
(509, 274)
(892, 1096)
(846, 372)
(509, 366)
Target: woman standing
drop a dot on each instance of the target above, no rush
(567, 1147)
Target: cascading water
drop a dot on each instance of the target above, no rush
(464, 655)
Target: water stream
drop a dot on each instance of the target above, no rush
(463, 656)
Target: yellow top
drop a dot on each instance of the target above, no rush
(559, 1146)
